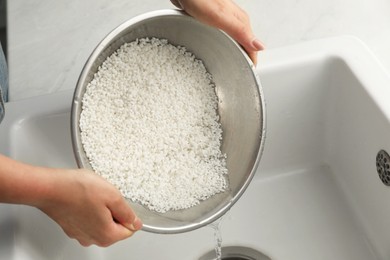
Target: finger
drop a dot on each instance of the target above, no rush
(227, 16)
(124, 215)
(84, 243)
(248, 39)
(241, 32)
(235, 22)
(253, 56)
(116, 233)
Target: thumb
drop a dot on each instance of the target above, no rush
(119, 232)
(124, 215)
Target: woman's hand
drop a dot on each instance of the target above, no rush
(89, 209)
(227, 16)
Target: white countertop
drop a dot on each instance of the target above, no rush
(49, 41)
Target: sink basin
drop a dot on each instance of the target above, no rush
(316, 194)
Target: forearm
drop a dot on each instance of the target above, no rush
(21, 183)
(86, 206)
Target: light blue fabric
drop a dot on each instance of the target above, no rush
(3, 83)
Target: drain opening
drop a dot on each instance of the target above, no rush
(383, 166)
(236, 253)
(237, 258)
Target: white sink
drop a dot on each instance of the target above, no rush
(316, 194)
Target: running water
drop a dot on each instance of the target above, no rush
(216, 226)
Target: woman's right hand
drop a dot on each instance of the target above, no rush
(88, 208)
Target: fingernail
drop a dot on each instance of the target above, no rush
(257, 44)
(136, 225)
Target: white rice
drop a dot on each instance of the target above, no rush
(149, 125)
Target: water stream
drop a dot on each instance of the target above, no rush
(216, 226)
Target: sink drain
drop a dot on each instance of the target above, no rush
(383, 166)
(236, 253)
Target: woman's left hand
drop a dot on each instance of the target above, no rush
(227, 16)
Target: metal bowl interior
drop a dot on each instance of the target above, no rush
(241, 108)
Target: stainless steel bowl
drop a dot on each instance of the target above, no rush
(241, 108)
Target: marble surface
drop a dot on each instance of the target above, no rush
(50, 40)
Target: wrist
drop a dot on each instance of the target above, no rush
(25, 184)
